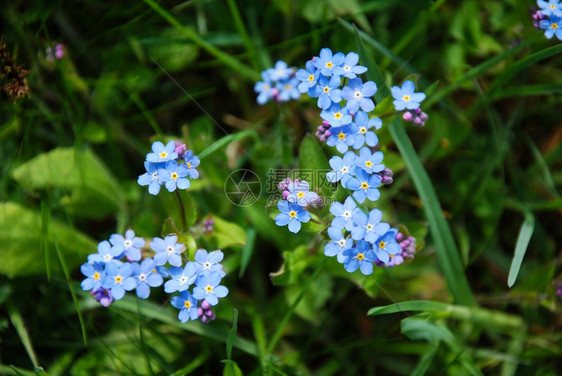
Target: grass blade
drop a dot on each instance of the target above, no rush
(414, 305)
(226, 140)
(247, 250)
(525, 234)
(447, 251)
(18, 324)
(232, 335)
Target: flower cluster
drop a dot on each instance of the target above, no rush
(549, 18)
(279, 84)
(405, 99)
(169, 165)
(117, 268)
(297, 196)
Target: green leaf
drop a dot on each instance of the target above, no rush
(93, 191)
(227, 233)
(414, 305)
(231, 368)
(20, 240)
(447, 251)
(296, 262)
(525, 234)
(417, 328)
(227, 140)
(313, 159)
(232, 335)
(247, 250)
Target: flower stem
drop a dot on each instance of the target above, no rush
(182, 212)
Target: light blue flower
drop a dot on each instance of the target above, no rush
(364, 186)
(308, 77)
(327, 91)
(264, 89)
(368, 228)
(167, 250)
(329, 63)
(131, 245)
(208, 288)
(191, 162)
(371, 163)
(291, 214)
(361, 257)
(106, 253)
(343, 213)
(363, 126)
(118, 279)
(341, 137)
(209, 262)
(343, 168)
(147, 277)
(161, 153)
(95, 275)
(405, 98)
(553, 26)
(150, 177)
(550, 8)
(350, 67)
(358, 95)
(301, 194)
(174, 176)
(338, 245)
(280, 72)
(187, 305)
(181, 278)
(336, 115)
(288, 90)
(387, 246)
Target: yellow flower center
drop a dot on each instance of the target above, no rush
(554, 25)
(174, 175)
(369, 227)
(363, 130)
(187, 304)
(300, 194)
(96, 275)
(360, 256)
(382, 244)
(326, 89)
(118, 279)
(292, 214)
(344, 169)
(154, 270)
(311, 77)
(163, 154)
(364, 185)
(553, 6)
(287, 87)
(368, 163)
(209, 288)
(266, 87)
(338, 115)
(329, 64)
(346, 68)
(341, 136)
(188, 164)
(406, 98)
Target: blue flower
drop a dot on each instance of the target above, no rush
(167, 250)
(343, 168)
(264, 89)
(553, 26)
(118, 279)
(338, 245)
(131, 245)
(288, 90)
(368, 228)
(361, 257)
(350, 67)
(208, 288)
(336, 115)
(386, 246)
(327, 91)
(341, 138)
(280, 72)
(191, 161)
(174, 176)
(371, 163)
(300, 194)
(209, 262)
(358, 95)
(405, 96)
(363, 133)
(106, 253)
(161, 153)
(150, 177)
(146, 276)
(343, 213)
(308, 77)
(187, 305)
(95, 274)
(330, 64)
(365, 186)
(181, 278)
(550, 8)
(292, 214)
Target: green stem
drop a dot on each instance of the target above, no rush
(182, 212)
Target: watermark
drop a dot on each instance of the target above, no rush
(242, 187)
(315, 178)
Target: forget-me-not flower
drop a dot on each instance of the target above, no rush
(358, 94)
(371, 163)
(336, 115)
(364, 186)
(167, 250)
(350, 67)
(291, 214)
(131, 245)
(387, 246)
(343, 213)
(552, 26)
(363, 133)
(550, 8)
(343, 168)
(329, 63)
(147, 277)
(405, 98)
(161, 153)
(118, 279)
(361, 257)
(181, 278)
(300, 193)
(368, 228)
(191, 162)
(208, 288)
(338, 245)
(150, 177)
(342, 138)
(174, 176)
(327, 91)
(308, 77)
(187, 305)
(209, 262)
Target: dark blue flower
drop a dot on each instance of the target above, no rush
(291, 214)
(187, 305)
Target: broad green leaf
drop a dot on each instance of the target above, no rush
(417, 328)
(525, 234)
(315, 297)
(20, 240)
(296, 262)
(231, 368)
(227, 233)
(93, 191)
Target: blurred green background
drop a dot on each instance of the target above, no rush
(132, 72)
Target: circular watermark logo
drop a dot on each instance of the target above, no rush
(242, 187)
